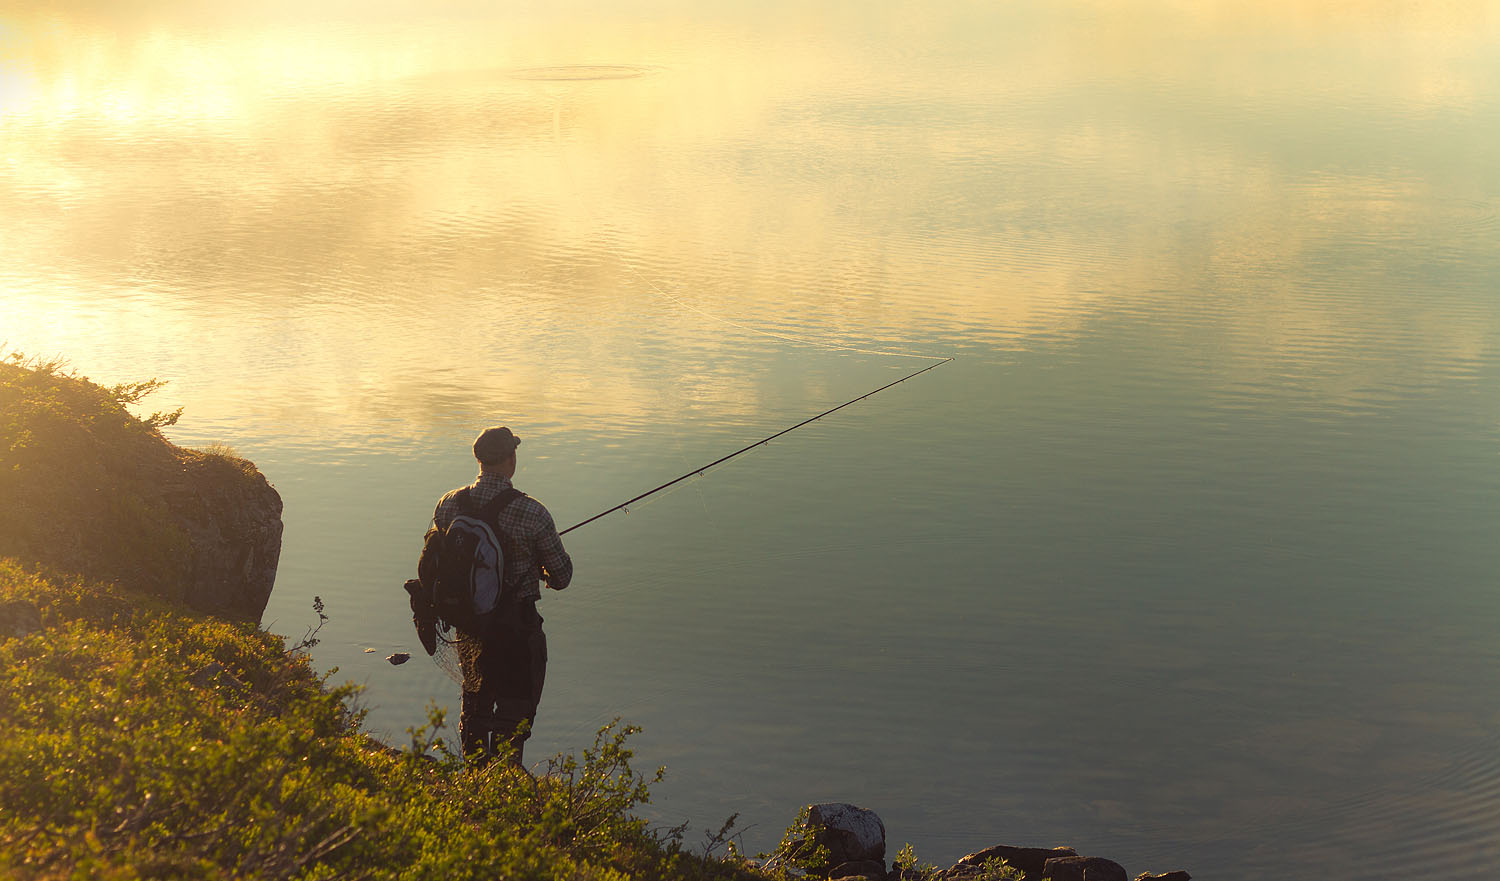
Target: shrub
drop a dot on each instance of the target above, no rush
(76, 472)
(148, 742)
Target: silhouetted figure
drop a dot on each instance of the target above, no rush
(505, 663)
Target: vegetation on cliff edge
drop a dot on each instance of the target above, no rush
(144, 740)
(75, 469)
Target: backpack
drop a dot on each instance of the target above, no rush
(468, 579)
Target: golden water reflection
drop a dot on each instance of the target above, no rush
(895, 180)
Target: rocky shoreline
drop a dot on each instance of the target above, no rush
(850, 845)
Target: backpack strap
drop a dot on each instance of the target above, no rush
(490, 514)
(492, 510)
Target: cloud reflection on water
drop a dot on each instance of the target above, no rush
(328, 190)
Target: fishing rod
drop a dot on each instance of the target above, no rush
(746, 449)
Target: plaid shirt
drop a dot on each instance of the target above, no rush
(528, 535)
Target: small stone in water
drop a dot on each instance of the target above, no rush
(369, 651)
(399, 658)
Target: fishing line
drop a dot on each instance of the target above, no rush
(749, 447)
(681, 454)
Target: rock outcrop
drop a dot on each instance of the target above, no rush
(91, 489)
(231, 517)
(855, 840)
(1077, 868)
(851, 834)
(859, 870)
(1029, 860)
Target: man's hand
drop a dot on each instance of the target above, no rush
(547, 578)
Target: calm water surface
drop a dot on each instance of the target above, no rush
(1189, 559)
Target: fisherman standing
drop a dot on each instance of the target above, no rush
(505, 663)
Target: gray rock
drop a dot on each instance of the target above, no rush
(399, 658)
(1178, 875)
(851, 834)
(1083, 869)
(194, 528)
(859, 869)
(231, 517)
(1030, 860)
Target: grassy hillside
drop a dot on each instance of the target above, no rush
(145, 742)
(73, 461)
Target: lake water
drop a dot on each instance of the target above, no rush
(1189, 559)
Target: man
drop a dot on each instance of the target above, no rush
(504, 668)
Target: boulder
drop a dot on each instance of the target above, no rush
(1083, 869)
(231, 518)
(867, 869)
(1030, 860)
(1178, 875)
(92, 490)
(851, 834)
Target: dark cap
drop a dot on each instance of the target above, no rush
(495, 444)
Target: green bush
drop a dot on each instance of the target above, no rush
(76, 473)
(145, 742)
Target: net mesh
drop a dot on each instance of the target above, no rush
(450, 649)
(455, 652)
